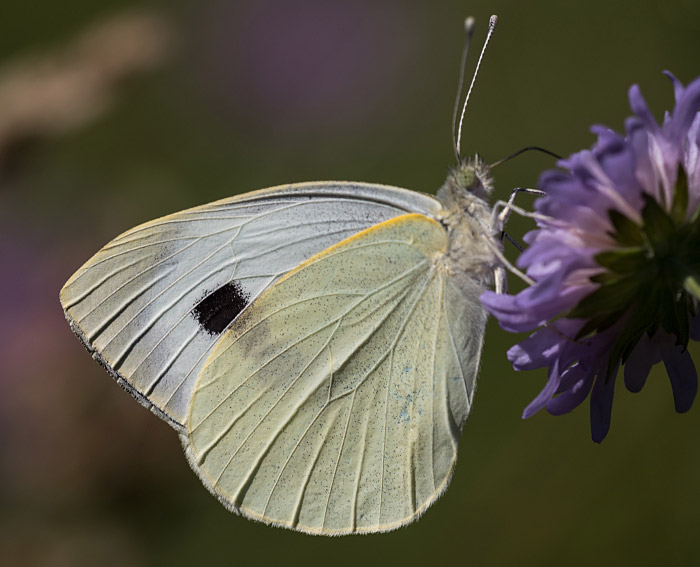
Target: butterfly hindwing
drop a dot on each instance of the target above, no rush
(152, 303)
(335, 402)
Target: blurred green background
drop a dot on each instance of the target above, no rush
(254, 94)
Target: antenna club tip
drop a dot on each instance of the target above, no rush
(469, 25)
(493, 20)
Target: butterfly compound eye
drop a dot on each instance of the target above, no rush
(466, 177)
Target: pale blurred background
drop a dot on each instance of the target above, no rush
(113, 113)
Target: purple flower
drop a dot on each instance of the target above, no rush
(616, 268)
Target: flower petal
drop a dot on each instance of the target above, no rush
(683, 376)
(617, 161)
(640, 108)
(511, 317)
(683, 115)
(692, 165)
(547, 392)
(645, 355)
(645, 171)
(580, 382)
(535, 351)
(677, 85)
(695, 328)
(540, 348)
(601, 405)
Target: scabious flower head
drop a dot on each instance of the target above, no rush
(616, 268)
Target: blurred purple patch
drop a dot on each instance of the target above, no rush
(305, 64)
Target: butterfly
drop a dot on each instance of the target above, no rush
(315, 345)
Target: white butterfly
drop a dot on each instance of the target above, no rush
(315, 346)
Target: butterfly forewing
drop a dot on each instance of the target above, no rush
(153, 302)
(335, 402)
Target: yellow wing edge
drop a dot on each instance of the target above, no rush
(401, 219)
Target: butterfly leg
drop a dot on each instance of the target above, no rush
(498, 220)
(505, 265)
(500, 217)
(500, 279)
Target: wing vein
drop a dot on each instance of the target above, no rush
(203, 355)
(230, 425)
(291, 454)
(363, 297)
(389, 380)
(110, 319)
(358, 474)
(454, 346)
(270, 442)
(73, 302)
(440, 313)
(309, 473)
(337, 461)
(187, 313)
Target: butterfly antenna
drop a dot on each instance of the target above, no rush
(493, 20)
(522, 151)
(469, 29)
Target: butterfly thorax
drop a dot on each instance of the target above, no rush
(466, 215)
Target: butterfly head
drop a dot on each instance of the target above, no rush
(466, 192)
(473, 176)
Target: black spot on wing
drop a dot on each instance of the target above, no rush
(220, 307)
